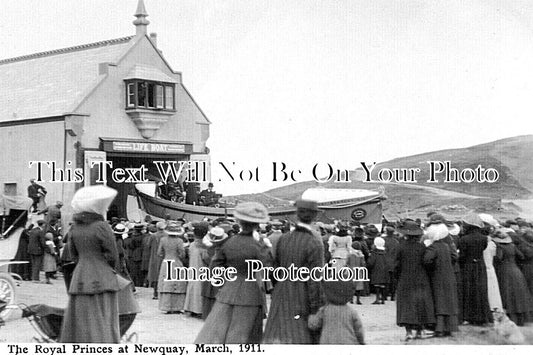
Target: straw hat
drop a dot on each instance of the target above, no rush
(251, 212)
(95, 199)
(489, 219)
(501, 235)
(175, 229)
(120, 229)
(473, 219)
(215, 237)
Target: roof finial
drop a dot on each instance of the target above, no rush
(141, 22)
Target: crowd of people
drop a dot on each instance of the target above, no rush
(441, 273)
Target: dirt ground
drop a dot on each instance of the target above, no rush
(153, 326)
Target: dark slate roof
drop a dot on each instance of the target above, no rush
(53, 83)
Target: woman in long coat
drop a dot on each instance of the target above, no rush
(154, 262)
(212, 241)
(92, 314)
(171, 293)
(414, 303)
(237, 316)
(516, 298)
(473, 271)
(197, 257)
(439, 257)
(526, 248)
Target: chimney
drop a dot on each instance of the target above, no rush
(153, 37)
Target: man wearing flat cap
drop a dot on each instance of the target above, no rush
(294, 301)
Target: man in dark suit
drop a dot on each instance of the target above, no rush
(36, 247)
(35, 191)
(294, 301)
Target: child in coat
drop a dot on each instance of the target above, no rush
(356, 259)
(379, 270)
(338, 321)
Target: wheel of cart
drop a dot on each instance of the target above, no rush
(13, 218)
(7, 294)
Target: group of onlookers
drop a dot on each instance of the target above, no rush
(442, 273)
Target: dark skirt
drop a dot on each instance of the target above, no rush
(475, 302)
(232, 324)
(446, 324)
(414, 306)
(207, 306)
(516, 298)
(91, 319)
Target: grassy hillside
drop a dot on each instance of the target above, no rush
(511, 157)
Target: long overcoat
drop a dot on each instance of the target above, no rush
(197, 255)
(439, 257)
(237, 315)
(378, 265)
(414, 302)
(474, 276)
(93, 308)
(154, 263)
(171, 248)
(294, 301)
(516, 298)
(526, 248)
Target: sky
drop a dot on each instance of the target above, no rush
(306, 82)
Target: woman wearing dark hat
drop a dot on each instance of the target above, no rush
(471, 245)
(414, 303)
(92, 314)
(237, 316)
(171, 293)
(515, 295)
(135, 246)
(197, 259)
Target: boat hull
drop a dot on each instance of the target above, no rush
(365, 211)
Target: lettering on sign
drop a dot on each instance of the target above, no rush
(148, 147)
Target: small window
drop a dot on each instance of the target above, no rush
(151, 95)
(159, 100)
(169, 97)
(141, 94)
(131, 94)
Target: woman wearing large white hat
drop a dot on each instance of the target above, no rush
(92, 314)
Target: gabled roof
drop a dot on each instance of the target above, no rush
(53, 83)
